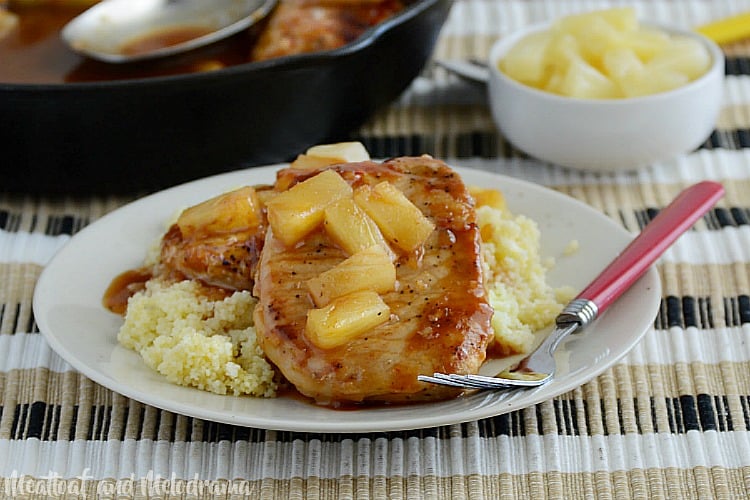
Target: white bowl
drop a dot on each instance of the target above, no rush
(605, 134)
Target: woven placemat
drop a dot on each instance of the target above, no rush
(670, 420)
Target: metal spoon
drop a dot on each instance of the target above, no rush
(472, 70)
(119, 31)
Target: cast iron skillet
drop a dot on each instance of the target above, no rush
(135, 136)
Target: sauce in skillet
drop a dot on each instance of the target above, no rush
(33, 52)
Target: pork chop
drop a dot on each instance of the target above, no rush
(226, 260)
(440, 315)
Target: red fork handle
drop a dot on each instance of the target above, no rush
(689, 206)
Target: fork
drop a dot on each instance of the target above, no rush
(539, 367)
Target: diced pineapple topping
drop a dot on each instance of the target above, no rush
(369, 269)
(331, 154)
(351, 228)
(346, 318)
(265, 193)
(401, 222)
(363, 223)
(228, 212)
(296, 212)
(373, 216)
(605, 54)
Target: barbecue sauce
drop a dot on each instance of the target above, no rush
(124, 286)
(34, 53)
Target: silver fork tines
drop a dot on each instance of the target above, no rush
(440, 379)
(534, 370)
(471, 381)
(496, 383)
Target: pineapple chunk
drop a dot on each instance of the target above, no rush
(645, 42)
(620, 63)
(296, 212)
(265, 193)
(487, 196)
(330, 154)
(685, 56)
(370, 269)
(562, 51)
(524, 62)
(401, 222)
(340, 151)
(351, 228)
(652, 82)
(605, 54)
(595, 36)
(228, 212)
(346, 318)
(307, 162)
(617, 18)
(584, 81)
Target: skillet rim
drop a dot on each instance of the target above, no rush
(291, 62)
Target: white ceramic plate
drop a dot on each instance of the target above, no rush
(68, 310)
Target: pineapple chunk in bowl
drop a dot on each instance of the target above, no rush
(600, 91)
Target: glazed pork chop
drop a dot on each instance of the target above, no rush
(217, 242)
(439, 311)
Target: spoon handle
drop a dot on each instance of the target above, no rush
(728, 30)
(689, 206)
